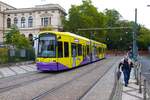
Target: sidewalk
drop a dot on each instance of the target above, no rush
(17, 68)
(131, 92)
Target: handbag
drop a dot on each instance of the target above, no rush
(118, 74)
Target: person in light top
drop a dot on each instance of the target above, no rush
(125, 65)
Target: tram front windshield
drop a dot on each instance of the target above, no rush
(47, 46)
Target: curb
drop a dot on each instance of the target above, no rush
(17, 64)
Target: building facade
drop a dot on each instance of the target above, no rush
(30, 20)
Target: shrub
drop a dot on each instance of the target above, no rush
(3, 55)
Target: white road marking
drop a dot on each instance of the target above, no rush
(7, 72)
(33, 66)
(27, 68)
(18, 70)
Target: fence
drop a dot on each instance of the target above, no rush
(144, 84)
(142, 81)
(8, 55)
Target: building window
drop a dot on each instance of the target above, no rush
(23, 22)
(30, 21)
(8, 22)
(15, 21)
(44, 21)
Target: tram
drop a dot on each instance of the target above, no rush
(64, 50)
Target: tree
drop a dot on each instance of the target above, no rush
(83, 16)
(112, 17)
(86, 15)
(14, 38)
(144, 38)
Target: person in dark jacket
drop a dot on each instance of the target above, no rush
(125, 66)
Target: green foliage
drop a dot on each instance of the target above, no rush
(144, 38)
(112, 17)
(83, 16)
(3, 55)
(86, 15)
(13, 37)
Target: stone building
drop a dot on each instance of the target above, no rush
(30, 20)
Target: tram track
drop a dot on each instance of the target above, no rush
(17, 82)
(16, 77)
(20, 84)
(52, 90)
(12, 85)
(30, 90)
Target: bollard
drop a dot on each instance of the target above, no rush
(140, 86)
(136, 74)
(135, 71)
(137, 78)
(144, 93)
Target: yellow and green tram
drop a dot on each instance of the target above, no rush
(64, 50)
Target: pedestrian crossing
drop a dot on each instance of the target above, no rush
(15, 70)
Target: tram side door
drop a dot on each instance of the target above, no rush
(74, 54)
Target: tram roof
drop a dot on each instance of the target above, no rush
(73, 35)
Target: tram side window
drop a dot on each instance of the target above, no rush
(100, 51)
(66, 49)
(73, 50)
(87, 50)
(83, 51)
(60, 50)
(79, 50)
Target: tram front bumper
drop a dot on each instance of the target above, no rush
(52, 66)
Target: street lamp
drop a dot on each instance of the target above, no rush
(134, 49)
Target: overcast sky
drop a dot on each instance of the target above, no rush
(125, 7)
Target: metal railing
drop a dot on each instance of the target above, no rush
(16, 55)
(143, 82)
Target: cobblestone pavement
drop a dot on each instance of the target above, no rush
(74, 90)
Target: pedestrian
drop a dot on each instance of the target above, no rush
(130, 54)
(125, 65)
